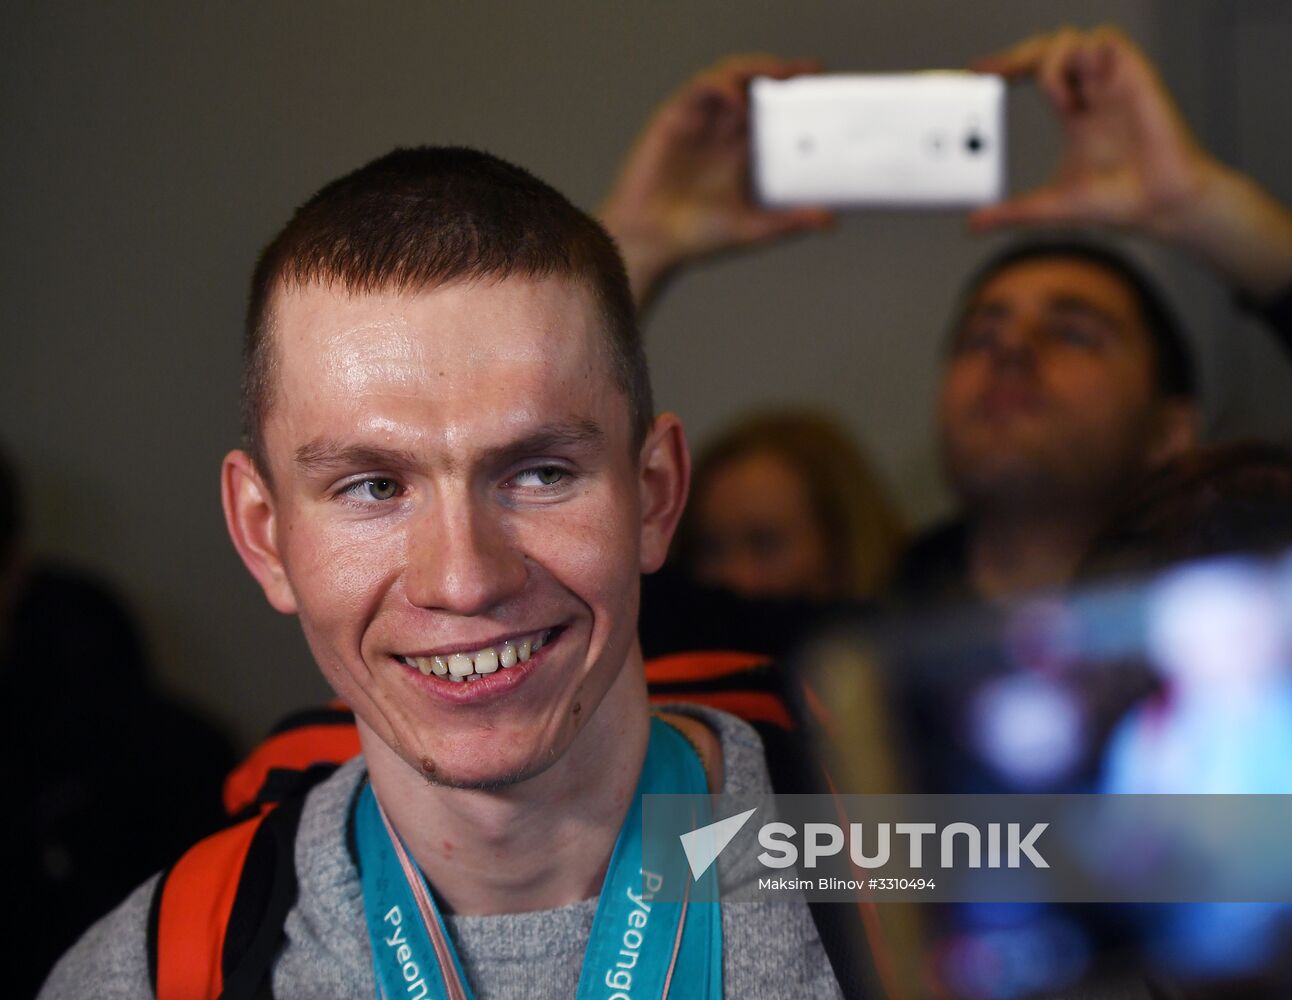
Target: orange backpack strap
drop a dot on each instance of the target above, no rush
(190, 913)
(744, 684)
(217, 916)
(302, 750)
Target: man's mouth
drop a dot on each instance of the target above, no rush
(463, 665)
(1005, 401)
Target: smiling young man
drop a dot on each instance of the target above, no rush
(453, 476)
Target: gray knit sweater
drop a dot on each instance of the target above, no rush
(771, 949)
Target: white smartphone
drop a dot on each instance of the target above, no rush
(915, 139)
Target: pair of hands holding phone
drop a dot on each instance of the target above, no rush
(1129, 161)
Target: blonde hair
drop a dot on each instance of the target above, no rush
(862, 528)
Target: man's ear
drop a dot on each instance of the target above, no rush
(1179, 427)
(250, 517)
(664, 473)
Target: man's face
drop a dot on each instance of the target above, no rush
(453, 478)
(1049, 392)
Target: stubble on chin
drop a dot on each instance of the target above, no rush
(490, 783)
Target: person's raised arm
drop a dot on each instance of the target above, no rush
(683, 191)
(1130, 160)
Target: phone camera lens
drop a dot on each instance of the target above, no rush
(974, 142)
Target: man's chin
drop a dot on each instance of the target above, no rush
(479, 782)
(493, 776)
(1003, 479)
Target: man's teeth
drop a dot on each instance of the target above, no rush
(460, 666)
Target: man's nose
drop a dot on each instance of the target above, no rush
(462, 559)
(1014, 345)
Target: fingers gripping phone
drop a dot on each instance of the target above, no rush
(918, 139)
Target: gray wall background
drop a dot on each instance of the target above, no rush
(151, 149)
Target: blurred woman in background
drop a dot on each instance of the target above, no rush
(783, 504)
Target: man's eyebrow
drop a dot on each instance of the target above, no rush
(324, 455)
(553, 437)
(1075, 304)
(327, 455)
(1062, 305)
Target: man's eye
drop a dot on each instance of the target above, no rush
(540, 475)
(1076, 334)
(373, 489)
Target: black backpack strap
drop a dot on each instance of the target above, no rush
(302, 750)
(217, 917)
(266, 893)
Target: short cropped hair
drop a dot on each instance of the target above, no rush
(1173, 365)
(420, 218)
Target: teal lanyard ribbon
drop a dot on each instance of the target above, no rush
(640, 947)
